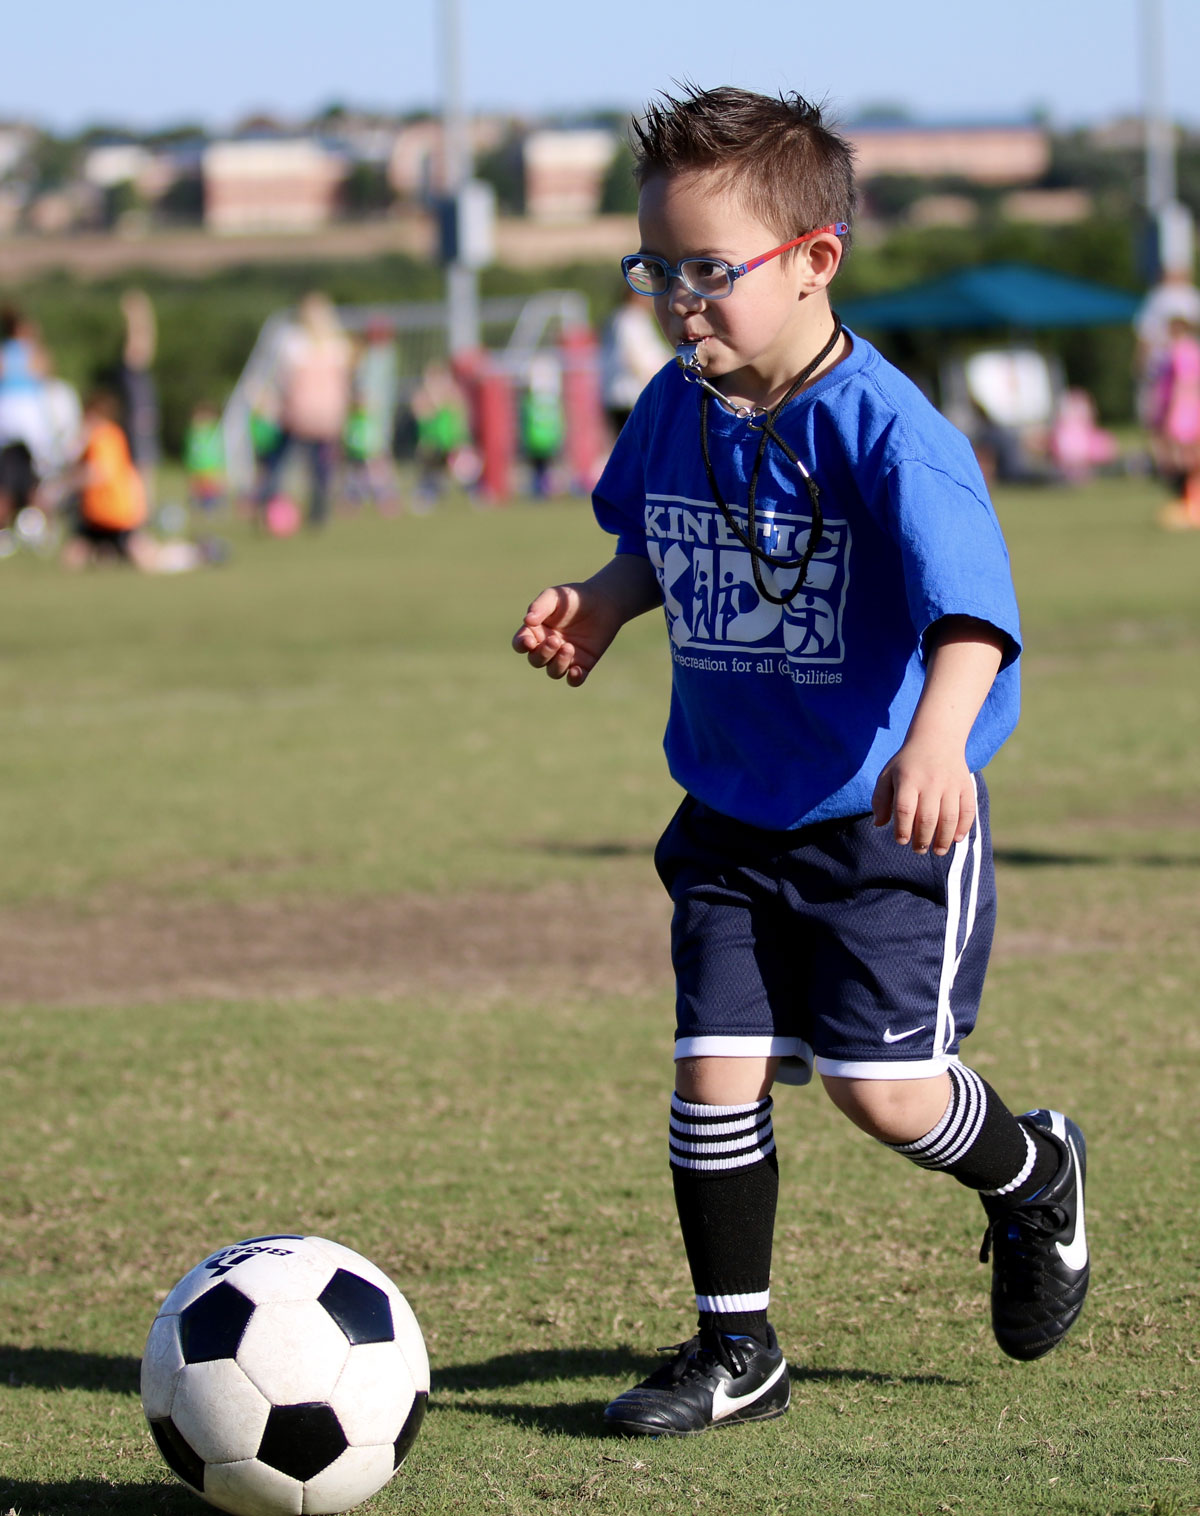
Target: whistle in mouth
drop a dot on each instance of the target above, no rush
(686, 357)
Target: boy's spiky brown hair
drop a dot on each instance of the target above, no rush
(792, 171)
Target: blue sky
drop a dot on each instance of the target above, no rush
(80, 61)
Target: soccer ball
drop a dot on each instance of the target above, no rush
(285, 1374)
(282, 517)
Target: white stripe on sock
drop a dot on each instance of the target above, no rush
(686, 1108)
(755, 1155)
(720, 1147)
(716, 1128)
(726, 1305)
(1030, 1160)
(974, 1110)
(711, 1146)
(959, 1127)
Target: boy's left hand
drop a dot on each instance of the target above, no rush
(926, 791)
(927, 796)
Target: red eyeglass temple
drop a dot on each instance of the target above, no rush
(835, 228)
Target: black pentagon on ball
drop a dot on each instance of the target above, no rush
(301, 1440)
(181, 1458)
(412, 1425)
(212, 1327)
(360, 1308)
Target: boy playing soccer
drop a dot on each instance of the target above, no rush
(844, 637)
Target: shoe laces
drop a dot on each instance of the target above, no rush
(695, 1358)
(1023, 1231)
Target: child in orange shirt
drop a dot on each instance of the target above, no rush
(112, 509)
(111, 498)
(112, 502)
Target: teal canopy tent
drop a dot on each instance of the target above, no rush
(995, 295)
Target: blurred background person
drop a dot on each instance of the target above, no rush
(632, 352)
(265, 441)
(139, 393)
(313, 382)
(25, 436)
(439, 409)
(1174, 296)
(204, 459)
(110, 503)
(543, 424)
(18, 481)
(1079, 445)
(64, 421)
(111, 500)
(371, 425)
(1176, 422)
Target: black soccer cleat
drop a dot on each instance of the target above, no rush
(713, 1380)
(1039, 1249)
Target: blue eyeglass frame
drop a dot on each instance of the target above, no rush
(733, 272)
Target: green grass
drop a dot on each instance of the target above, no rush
(341, 720)
(337, 716)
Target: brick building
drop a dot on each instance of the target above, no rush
(284, 184)
(984, 154)
(564, 173)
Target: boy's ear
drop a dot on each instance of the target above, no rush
(822, 259)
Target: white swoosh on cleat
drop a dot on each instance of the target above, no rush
(1075, 1253)
(724, 1404)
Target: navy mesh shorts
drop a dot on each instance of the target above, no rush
(828, 943)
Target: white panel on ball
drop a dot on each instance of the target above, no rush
(293, 1351)
(374, 1395)
(408, 1331)
(189, 1288)
(288, 1271)
(208, 1272)
(219, 1411)
(410, 1342)
(161, 1362)
(343, 1257)
(253, 1489)
(348, 1480)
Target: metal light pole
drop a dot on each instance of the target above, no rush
(462, 285)
(1159, 134)
(1170, 222)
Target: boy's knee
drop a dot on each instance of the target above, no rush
(892, 1110)
(724, 1081)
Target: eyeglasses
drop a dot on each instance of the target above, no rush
(710, 278)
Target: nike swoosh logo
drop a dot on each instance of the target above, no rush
(1075, 1253)
(890, 1036)
(724, 1404)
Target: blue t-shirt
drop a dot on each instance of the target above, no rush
(785, 715)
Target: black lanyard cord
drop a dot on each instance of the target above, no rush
(765, 423)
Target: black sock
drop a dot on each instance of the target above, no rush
(982, 1143)
(726, 1178)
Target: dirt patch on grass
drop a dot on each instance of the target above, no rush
(556, 941)
(559, 939)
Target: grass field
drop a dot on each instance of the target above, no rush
(320, 911)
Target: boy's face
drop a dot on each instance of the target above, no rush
(757, 338)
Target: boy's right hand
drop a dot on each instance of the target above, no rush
(566, 631)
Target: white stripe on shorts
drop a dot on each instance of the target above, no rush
(970, 850)
(796, 1054)
(916, 1068)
